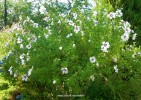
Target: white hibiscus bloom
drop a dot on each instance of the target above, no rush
(105, 46)
(73, 45)
(10, 70)
(29, 71)
(134, 36)
(60, 48)
(111, 15)
(21, 46)
(75, 15)
(22, 56)
(92, 78)
(76, 29)
(19, 40)
(92, 59)
(54, 81)
(28, 46)
(119, 13)
(116, 69)
(125, 37)
(42, 9)
(64, 70)
(24, 77)
(127, 30)
(23, 62)
(71, 22)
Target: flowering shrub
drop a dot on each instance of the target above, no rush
(57, 53)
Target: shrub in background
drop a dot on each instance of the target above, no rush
(57, 53)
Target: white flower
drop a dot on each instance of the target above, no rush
(71, 22)
(10, 70)
(42, 9)
(60, 48)
(134, 54)
(29, 71)
(35, 25)
(92, 77)
(105, 46)
(73, 45)
(21, 46)
(22, 62)
(75, 15)
(46, 19)
(54, 81)
(111, 15)
(134, 36)
(125, 37)
(127, 30)
(97, 64)
(28, 46)
(76, 29)
(19, 40)
(64, 70)
(69, 35)
(46, 36)
(116, 69)
(28, 58)
(92, 59)
(95, 22)
(119, 13)
(15, 74)
(95, 13)
(126, 24)
(114, 59)
(22, 56)
(24, 77)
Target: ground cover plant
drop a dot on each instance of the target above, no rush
(78, 49)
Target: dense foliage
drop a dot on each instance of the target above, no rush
(76, 49)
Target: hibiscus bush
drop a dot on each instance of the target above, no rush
(73, 50)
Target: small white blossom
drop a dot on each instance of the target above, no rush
(15, 74)
(76, 29)
(125, 37)
(28, 46)
(92, 78)
(22, 56)
(114, 59)
(119, 13)
(71, 22)
(127, 30)
(60, 48)
(42, 9)
(29, 71)
(23, 62)
(54, 81)
(73, 45)
(116, 69)
(24, 77)
(10, 70)
(19, 40)
(134, 36)
(95, 13)
(75, 15)
(64, 70)
(111, 15)
(46, 36)
(92, 59)
(105, 46)
(21, 46)
(69, 35)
